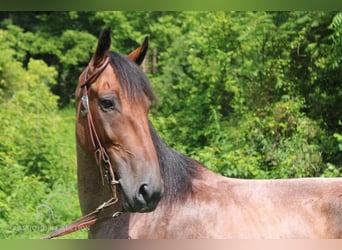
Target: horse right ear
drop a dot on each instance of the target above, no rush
(103, 47)
(139, 54)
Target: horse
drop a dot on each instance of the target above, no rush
(124, 165)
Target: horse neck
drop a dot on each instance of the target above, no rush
(178, 171)
(91, 192)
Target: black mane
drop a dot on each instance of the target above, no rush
(177, 170)
(132, 79)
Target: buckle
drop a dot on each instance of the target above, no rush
(85, 103)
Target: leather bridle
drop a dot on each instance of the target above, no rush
(101, 156)
(102, 160)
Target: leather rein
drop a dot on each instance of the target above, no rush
(102, 161)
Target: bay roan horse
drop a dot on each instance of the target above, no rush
(165, 194)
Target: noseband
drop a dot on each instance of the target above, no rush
(102, 159)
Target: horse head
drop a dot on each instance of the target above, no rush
(118, 97)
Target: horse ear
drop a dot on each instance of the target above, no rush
(139, 54)
(103, 47)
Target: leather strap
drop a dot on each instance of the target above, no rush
(102, 161)
(85, 221)
(94, 75)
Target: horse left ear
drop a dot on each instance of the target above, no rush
(103, 47)
(139, 54)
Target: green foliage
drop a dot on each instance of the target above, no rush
(67, 50)
(254, 94)
(275, 142)
(37, 173)
(10, 70)
(36, 152)
(25, 115)
(339, 139)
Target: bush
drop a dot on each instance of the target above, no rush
(37, 155)
(278, 141)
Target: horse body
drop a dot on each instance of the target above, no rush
(235, 208)
(182, 197)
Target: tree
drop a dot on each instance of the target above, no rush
(231, 70)
(32, 152)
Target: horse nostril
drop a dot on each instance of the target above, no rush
(144, 192)
(147, 197)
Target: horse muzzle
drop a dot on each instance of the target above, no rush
(143, 197)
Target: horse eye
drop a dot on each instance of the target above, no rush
(107, 104)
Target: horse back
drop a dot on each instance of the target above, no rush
(290, 208)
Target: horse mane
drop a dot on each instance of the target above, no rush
(177, 170)
(132, 79)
